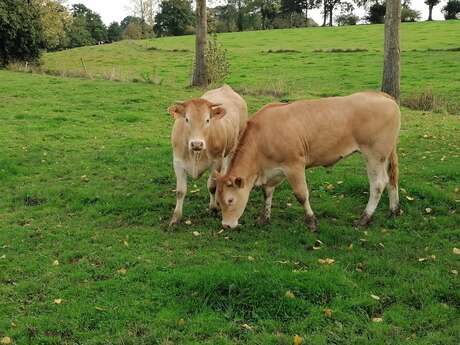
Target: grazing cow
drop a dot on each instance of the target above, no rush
(281, 140)
(204, 135)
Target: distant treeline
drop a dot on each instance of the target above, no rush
(29, 26)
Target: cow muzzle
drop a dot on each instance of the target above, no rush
(197, 145)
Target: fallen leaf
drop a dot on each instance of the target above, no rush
(456, 251)
(122, 271)
(289, 294)
(99, 308)
(188, 222)
(410, 198)
(84, 178)
(6, 340)
(328, 312)
(126, 243)
(220, 231)
(57, 301)
(377, 298)
(298, 340)
(56, 263)
(377, 319)
(359, 267)
(196, 233)
(350, 247)
(3, 256)
(181, 322)
(327, 261)
(250, 258)
(428, 210)
(454, 272)
(246, 326)
(288, 204)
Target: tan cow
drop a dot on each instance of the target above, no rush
(204, 135)
(281, 140)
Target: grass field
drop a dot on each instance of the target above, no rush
(86, 177)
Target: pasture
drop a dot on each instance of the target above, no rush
(86, 256)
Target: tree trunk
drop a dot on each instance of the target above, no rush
(430, 13)
(306, 15)
(200, 75)
(330, 16)
(391, 63)
(324, 13)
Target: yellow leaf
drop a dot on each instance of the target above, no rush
(250, 258)
(181, 322)
(298, 340)
(456, 251)
(57, 301)
(196, 233)
(55, 263)
(410, 198)
(377, 298)
(289, 294)
(328, 312)
(454, 272)
(246, 326)
(377, 319)
(122, 271)
(428, 210)
(126, 243)
(188, 222)
(6, 340)
(326, 261)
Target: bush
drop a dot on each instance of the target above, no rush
(217, 62)
(21, 32)
(409, 15)
(376, 13)
(451, 10)
(347, 19)
(174, 18)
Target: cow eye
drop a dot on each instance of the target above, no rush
(207, 121)
(186, 119)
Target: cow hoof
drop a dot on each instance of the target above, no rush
(363, 221)
(312, 223)
(262, 220)
(396, 212)
(174, 221)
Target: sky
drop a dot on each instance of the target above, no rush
(116, 10)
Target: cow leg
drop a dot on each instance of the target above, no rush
(296, 179)
(265, 215)
(212, 193)
(378, 179)
(181, 190)
(392, 186)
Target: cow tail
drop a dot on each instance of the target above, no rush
(393, 172)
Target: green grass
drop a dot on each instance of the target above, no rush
(86, 176)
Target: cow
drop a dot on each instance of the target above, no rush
(204, 135)
(282, 140)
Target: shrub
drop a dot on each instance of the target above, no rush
(452, 9)
(347, 19)
(217, 62)
(21, 32)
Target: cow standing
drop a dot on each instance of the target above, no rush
(204, 135)
(281, 140)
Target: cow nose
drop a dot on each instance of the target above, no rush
(197, 145)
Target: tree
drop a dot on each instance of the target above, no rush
(78, 34)
(328, 9)
(409, 15)
(174, 19)
(92, 22)
(114, 32)
(376, 14)
(268, 12)
(145, 10)
(391, 62)
(431, 4)
(55, 19)
(451, 10)
(200, 75)
(21, 31)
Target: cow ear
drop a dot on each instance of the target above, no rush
(177, 110)
(239, 182)
(217, 111)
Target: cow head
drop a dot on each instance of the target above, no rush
(232, 194)
(197, 115)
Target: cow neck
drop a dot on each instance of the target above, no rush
(244, 161)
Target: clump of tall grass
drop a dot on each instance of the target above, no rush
(428, 101)
(341, 50)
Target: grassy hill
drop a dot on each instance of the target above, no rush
(87, 193)
(303, 72)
